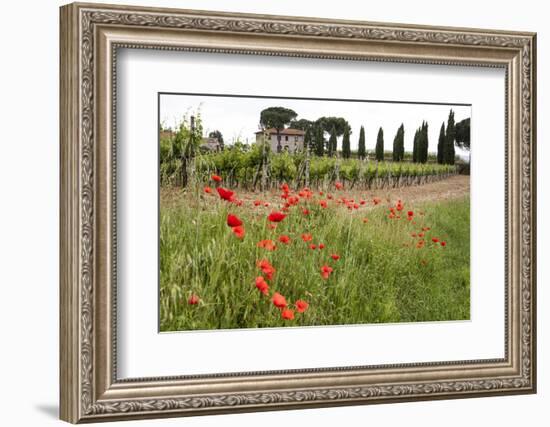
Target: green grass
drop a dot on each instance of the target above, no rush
(381, 276)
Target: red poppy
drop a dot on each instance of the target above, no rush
(207, 190)
(216, 178)
(257, 202)
(410, 213)
(312, 246)
(301, 306)
(420, 244)
(365, 220)
(305, 211)
(443, 243)
(233, 220)
(279, 301)
(226, 194)
(267, 244)
(399, 206)
(376, 200)
(338, 185)
(425, 228)
(266, 204)
(276, 216)
(272, 226)
(420, 234)
(335, 257)
(284, 239)
(193, 300)
(262, 285)
(321, 246)
(325, 271)
(413, 234)
(306, 237)
(287, 314)
(285, 188)
(238, 231)
(323, 203)
(435, 239)
(266, 268)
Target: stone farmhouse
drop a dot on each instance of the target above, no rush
(292, 140)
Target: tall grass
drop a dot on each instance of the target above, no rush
(381, 275)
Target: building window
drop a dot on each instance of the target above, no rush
(296, 139)
(286, 137)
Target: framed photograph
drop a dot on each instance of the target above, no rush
(270, 212)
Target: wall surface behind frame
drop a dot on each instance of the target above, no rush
(29, 171)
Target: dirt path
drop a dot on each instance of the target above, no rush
(455, 187)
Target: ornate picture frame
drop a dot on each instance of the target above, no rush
(90, 37)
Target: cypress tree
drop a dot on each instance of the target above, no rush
(395, 153)
(425, 143)
(450, 140)
(415, 147)
(441, 145)
(399, 144)
(319, 141)
(332, 142)
(380, 145)
(346, 149)
(361, 152)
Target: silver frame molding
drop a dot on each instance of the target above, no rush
(90, 37)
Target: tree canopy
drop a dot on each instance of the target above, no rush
(462, 133)
(379, 151)
(361, 151)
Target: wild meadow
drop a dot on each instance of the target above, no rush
(294, 256)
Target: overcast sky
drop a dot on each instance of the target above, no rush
(238, 118)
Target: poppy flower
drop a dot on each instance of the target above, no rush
(399, 206)
(413, 234)
(301, 306)
(335, 257)
(266, 268)
(226, 194)
(420, 234)
(321, 246)
(306, 237)
(312, 246)
(266, 204)
(262, 285)
(329, 196)
(425, 228)
(279, 301)
(305, 211)
(272, 226)
(284, 239)
(285, 188)
(443, 243)
(435, 239)
(420, 244)
(233, 220)
(257, 202)
(338, 185)
(238, 231)
(287, 314)
(365, 220)
(323, 203)
(216, 178)
(410, 213)
(325, 271)
(193, 300)
(276, 216)
(321, 193)
(267, 244)
(376, 200)
(207, 190)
